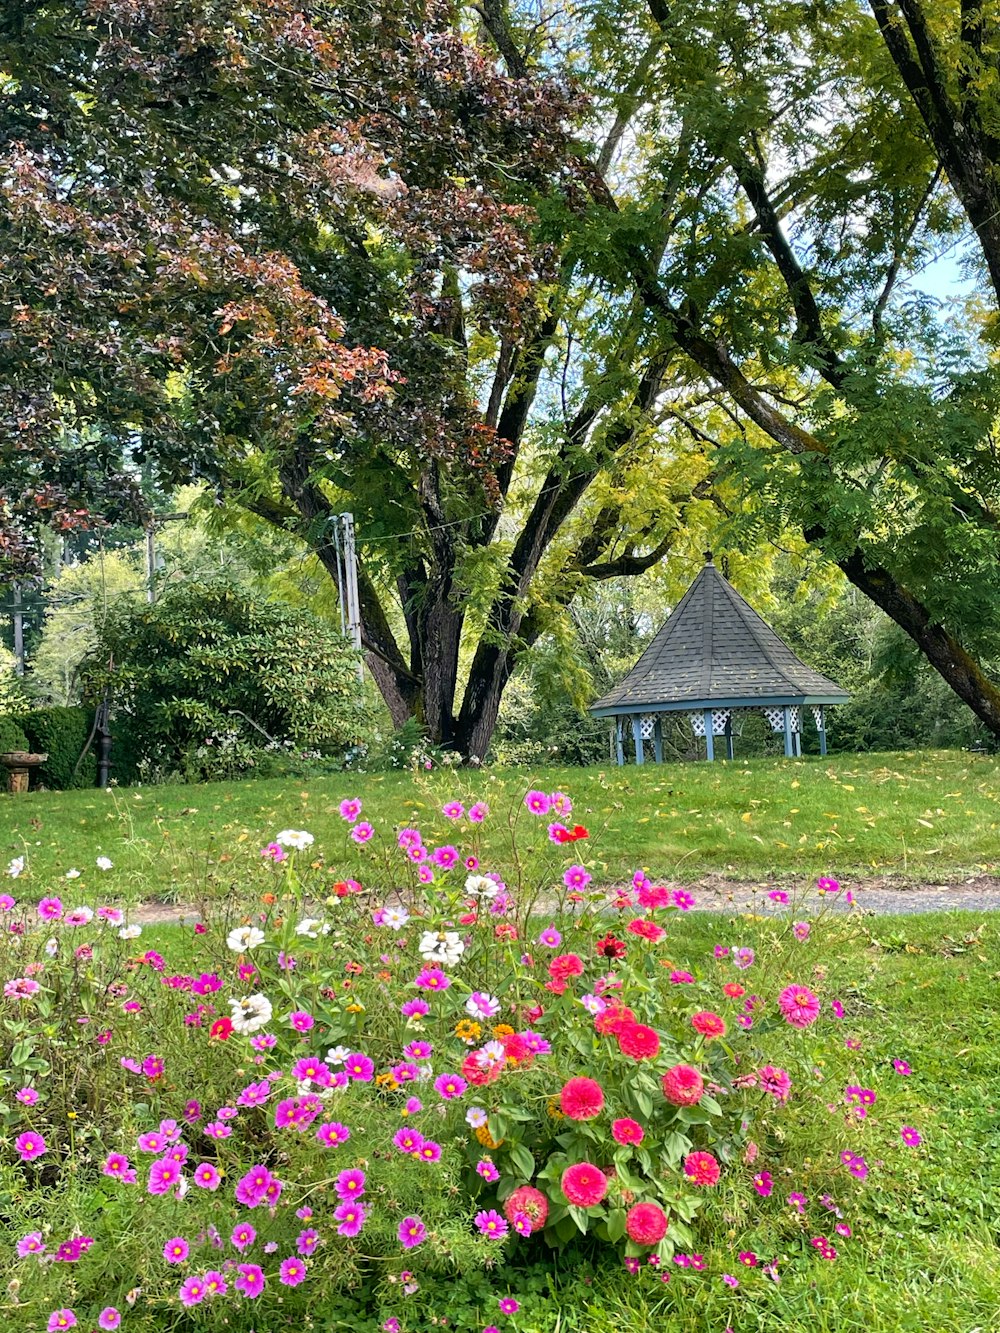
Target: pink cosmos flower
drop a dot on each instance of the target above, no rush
(32, 1243)
(350, 809)
(450, 1086)
(291, 1272)
(30, 1146)
(27, 1096)
(207, 1177)
(576, 877)
(491, 1224)
(537, 802)
(243, 1236)
(801, 929)
(550, 937)
(682, 900)
(350, 1184)
(487, 1170)
(508, 1305)
(50, 909)
(444, 857)
(332, 1133)
(362, 832)
(176, 1250)
(763, 1184)
(301, 1021)
(799, 1005)
(250, 1282)
(901, 1067)
(910, 1136)
(306, 1241)
(351, 1218)
(432, 979)
(359, 1067)
(827, 885)
(61, 1319)
(411, 1232)
(109, 1319)
(453, 810)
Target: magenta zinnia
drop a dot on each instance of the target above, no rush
(799, 1006)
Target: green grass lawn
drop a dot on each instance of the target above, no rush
(925, 816)
(924, 1250)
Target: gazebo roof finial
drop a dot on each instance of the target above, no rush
(708, 557)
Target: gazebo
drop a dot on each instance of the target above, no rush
(714, 659)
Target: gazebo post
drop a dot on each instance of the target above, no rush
(619, 749)
(822, 729)
(658, 741)
(729, 737)
(637, 737)
(709, 739)
(787, 714)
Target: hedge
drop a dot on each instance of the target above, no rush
(61, 733)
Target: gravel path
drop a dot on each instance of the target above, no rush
(882, 896)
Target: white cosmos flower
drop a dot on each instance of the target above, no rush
(336, 1055)
(250, 1013)
(441, 946)
(183, 1185)
(396, 917)
(130, 932)
(52, 946)
(73, 873)
(244, 937)
(297, 839)
(481, 886)
(476, 1117)
(311, 929)
(104, 863)
(15, 867)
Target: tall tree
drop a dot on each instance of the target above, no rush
(826, 153)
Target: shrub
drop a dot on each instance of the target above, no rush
(61, 733)
(212, 676)
(12, 735)
(343, 1086)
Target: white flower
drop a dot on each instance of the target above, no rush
(15, 867)
(310, 928)
(52, 946)
(80, 916)
(482, 1005)
(183, 1185)
(73, 874)
(336, 1055)
(442, 946)
(297, 839)
(244, 937)
(130, 932)
(104, 863)
(250, 1013)
(481, 886)
(476, 1117)
(593, 1004)
(491, 1055)
(396, 917)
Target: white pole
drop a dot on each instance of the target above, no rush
(18, 630)
(351, 586)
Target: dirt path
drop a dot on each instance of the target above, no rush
(882, 895)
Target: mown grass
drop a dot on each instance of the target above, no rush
(926, 1223)
(924, 816)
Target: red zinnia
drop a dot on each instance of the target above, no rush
(517, 1050)
(564, 966)
(610, 947)
(222, 1029)
(638, 1041)
(627, 1131)
(581, 1099)
(701, 1168)
(613, 1018)
(474, 1072)
(584, 1185)
(708, 1024)
(533, 1203)
(646, 1224)
(648, 930)
(683, 1085)
(733, 989)
(578, 832)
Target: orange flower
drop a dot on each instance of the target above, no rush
(268, 899)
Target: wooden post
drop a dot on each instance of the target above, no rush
(658, 741)
(709, 738)
(619, 748)
(787, 714)
(637, 737)
(822, 730)
(729, 738)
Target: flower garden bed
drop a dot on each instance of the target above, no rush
(284, 1116)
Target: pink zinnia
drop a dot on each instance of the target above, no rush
(683, 1085)
(708, 1024)
(638, 1041)
(775, 1081)
(701, 1168)
(581, 1099)
(799, 1006)
(530, 1203)
(584, 1185)
(627, 1131)
(646, 1224)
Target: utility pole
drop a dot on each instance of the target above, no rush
(18, 629)
(347, 582)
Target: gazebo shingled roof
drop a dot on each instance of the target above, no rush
(716, 653)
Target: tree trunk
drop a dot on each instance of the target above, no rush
(946, 655)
